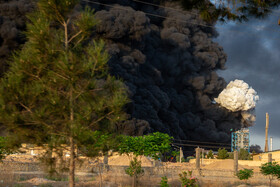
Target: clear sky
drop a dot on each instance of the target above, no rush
(253, 50)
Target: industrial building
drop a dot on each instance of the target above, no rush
(240, 140)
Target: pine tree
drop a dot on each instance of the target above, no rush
(58, 90)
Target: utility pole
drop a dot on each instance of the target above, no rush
(266, 132)
(271, 144)
(235, 167)
(181, 154)
(197, 162)
(202, 156)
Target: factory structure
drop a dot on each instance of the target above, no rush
(240, 140)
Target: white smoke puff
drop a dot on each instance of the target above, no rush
(238, 96)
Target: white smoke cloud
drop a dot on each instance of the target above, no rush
(239, 97)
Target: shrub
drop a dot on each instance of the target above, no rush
(245, 174)
(271, 169)
(210, 154)
(222, 153)
(187, 180)
(189, 157)
(164, 182)
(243, 155)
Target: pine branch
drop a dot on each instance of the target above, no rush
(77, 34)
(28, 109)
(105, 116)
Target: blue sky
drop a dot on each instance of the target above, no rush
(253, 50)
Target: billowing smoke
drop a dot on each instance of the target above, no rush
(239, 97)
(168, 64)
(12, 22)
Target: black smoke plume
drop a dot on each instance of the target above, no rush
(12, 23)
(168, 64)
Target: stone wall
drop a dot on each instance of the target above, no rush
(251, 163)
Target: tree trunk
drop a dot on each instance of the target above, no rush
(134, 181)
(100, 174)
(72, 164)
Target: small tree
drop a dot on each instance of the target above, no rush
(134, 170)
(271, 169)
(243, 155)
(210, 154)
(222, 153)
(164, 182)
(245, 174)
(153, 145)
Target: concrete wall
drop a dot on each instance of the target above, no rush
(240, 162)
(264, 156)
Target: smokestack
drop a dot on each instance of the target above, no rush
(271, 144)
(266, 131)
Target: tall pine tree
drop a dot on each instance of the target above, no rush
(58, 90)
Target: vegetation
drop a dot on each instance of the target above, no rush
(2, 147)
(58, 90)
(187, 180)
(134, 170)
(271, 169)
(210, 154)
(244, 155)
(164, 182)
(153, 145)
(222, 154)
(245, 174)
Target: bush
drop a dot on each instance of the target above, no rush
(243, 155)
(222, 153)
(189, 157)
(245, 174)
(187, 180)
(164, 182)
(271, 169)
(178, 159)
(210, 154)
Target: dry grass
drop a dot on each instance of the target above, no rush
(7, 175)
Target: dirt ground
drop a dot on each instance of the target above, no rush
(10, 179)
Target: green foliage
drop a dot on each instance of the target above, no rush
(187, 180)
(243, 155)
(149, 145)
(271, 169)
(58, 89)
(189, 157)
(210, 154)
(222, 153)
(245, 174)
(4, 148)
(134, 168)
(164, 182)
(58, 85)
(178, 159)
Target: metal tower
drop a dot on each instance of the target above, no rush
(240, 139)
